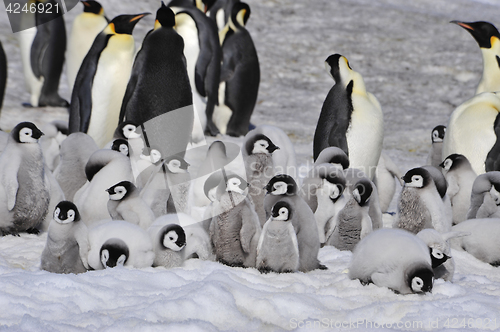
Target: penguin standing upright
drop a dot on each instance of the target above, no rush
(435, 156)
(3, 74)
(351, 118)
(240, 75)
(488, 39)
(102, 79)
(86, 27)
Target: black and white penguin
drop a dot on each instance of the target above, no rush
(86, 27)
(395, 259)
(67, 246)
(335, 156)
(168, 243)
(220, 11)
(24, 186)
(351, 118)
(240, 75)
(435, 156)
(460, 178)
(488, 39)
(126, 204)
(102, 79)
(121, 146)
(203, 57)
(278, 249)
(484, 185)
(3, 74)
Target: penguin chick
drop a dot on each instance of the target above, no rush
(168, 244)
(67, 244)
(387, 171)
(393, 258)
(460, 178)
(353, 222)
(435, 156)
(333, 155)
(278, 249)
(126, 204)
(482, 185)
(490, 208)
(24, 187)
(121, 146)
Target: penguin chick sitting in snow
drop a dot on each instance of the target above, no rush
(67, 244)
(168, 244)
(278, 249)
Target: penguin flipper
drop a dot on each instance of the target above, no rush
(38, 49)
(82, 238)
(248, 229)
(134, 76)
(9, 181)
(200, 72)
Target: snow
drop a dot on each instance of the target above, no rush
(419, 67)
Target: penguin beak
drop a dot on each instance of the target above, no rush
(463, 25)
(37, 134)
(138, 17)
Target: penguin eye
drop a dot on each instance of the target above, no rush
(171, 238)
(71, 214)
(26, 132)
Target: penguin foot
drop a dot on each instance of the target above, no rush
(27, 105)
(232, 264)
(322, 267)
(211, 129)
(5, 232)
(264, 269)
(33, 230)
(53, 101)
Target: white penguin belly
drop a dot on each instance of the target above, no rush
(33, 84)
(222, 113)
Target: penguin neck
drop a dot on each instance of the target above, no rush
(358, 83)
(490, 81)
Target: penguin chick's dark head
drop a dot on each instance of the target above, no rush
(417, 178)
(437, 257)
(260, 143)
(114, 252)
(282, 184)
(66, 212)
(173, 237)
(240, 13)
(420, 279)
(94, 7)
(121, 190)
(164, 17)
(121, 145)
(454, 161)
(438, 134)
(124, 24)
(126, 130)
(235, 183)
(482, 32)
(26, 132)
(362, 192)
(333, 65)
(176, 164)
(210, 183)
(282, 211)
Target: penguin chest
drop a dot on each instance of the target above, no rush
(189, 33)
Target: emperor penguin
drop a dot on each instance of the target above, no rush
(335, 156)
(420, 205)
(488, 39)
(220, 12)
(278, 249)
(55, 132)
(119, 243)
(126, 204)
(74, 154)
(259, 167)
(67, 246)
(42, 52)
(483, 185)
(104, 169)
(158, 94)
(3, 74)
(24, 186)
(235, 228)
(386, 176)
(283, 188)
(203, 58)
(240, 75)
(353, 221)
(441, 184)
(168, 243)
(472, 131)
(460, 178)
(490, 207)
(393, 258)
(435, 156)
(121, 146)
(351, 118)
(102, 79)
(86, 27)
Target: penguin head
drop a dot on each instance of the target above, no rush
(437, 257)
(483, 32)
(420, 279)
(120, 190)
(121, 146)
(94, 7)
(176, 164)
(338, 66)
(114, 252)
(333, 155)
(281, 211)
(66, 212)
(26, 132)
(260, 143)
(235, 183)
(438, 133)
(124, 24)
(417, 178)
(362, 192)
(335, 182)
(126, 130)
(210, 185)
(454, 161)
(154, 156)
(282, 184)
(495, 193)
(204, 5)
(173, 237)
(165, 17)
(240, 13)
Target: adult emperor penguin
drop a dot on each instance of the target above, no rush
(126, 204)
(3, 74)
(471, 131)
(488, 39)
(283, 188)
(220, 12)
(435, 156)
(117, 242)
(203, 57)
(168, 243)
(102, 79)
(240, 75)
(393, 258)
(67, 246)
(351, 118)
(86, 27)
(460, 177)
(163, 108)
(235, 228)
(278, 249)
(24, 186)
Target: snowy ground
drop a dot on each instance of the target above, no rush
(420, 68)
